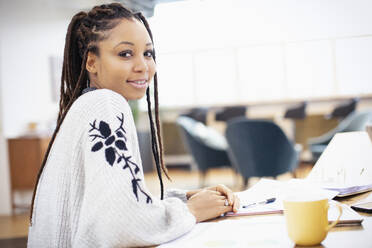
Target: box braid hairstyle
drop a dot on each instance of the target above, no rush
(84, 32)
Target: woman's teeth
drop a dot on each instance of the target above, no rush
(139, 83)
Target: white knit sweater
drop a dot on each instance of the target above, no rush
(92, 191)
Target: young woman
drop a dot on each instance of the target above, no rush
(90, 191)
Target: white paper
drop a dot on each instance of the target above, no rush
(266, 189)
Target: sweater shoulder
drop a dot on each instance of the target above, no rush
(100, 104)
(101, 98)
(99, 101)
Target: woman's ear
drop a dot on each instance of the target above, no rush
(91, 64)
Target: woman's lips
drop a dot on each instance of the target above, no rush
(140, 84)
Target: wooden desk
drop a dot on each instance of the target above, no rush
(351, 236)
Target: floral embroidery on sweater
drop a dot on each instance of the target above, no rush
(114, 144)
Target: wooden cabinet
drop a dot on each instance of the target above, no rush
(25, 158)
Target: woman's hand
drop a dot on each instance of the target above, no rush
(232, 199)
(207, 204)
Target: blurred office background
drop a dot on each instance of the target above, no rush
(303, 65)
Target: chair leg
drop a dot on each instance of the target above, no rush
(245, 182)
(236, 179)
(293, 173)
(202, 179)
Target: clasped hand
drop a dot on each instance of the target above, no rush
(211, 202)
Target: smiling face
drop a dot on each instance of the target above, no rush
(124, 62)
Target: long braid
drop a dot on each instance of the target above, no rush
(156, 138)
(67, 78)
(154, 146)
(158, 126)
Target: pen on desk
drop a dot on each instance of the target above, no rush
(260, 203)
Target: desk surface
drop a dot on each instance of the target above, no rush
(270, 231)
(351, 236)
(359, 236)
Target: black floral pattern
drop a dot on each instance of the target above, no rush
(114, 145)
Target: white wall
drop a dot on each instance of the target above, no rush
(256, 50)
(5, 201)
(31, 33)
(283, 49)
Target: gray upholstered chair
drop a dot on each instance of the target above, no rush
(207, 147)
(259, 148)
(356, 121)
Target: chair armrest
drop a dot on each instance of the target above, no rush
(323, 139)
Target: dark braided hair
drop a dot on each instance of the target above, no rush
(83, 34)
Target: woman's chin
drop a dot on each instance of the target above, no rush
(133, 97)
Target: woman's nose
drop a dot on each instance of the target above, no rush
(140, 64)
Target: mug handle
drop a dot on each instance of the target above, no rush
(329, 227)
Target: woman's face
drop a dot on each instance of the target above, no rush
(125, 63)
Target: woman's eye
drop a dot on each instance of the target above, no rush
(149, 53)
(125, 54)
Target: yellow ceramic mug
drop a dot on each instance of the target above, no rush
(307, 220)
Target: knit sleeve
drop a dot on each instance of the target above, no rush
(179, 193)
(117, 208)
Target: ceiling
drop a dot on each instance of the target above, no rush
(145, 6)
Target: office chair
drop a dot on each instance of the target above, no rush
(198, 114)
(144, 143)
(228, 113)
(260, 148)
(354, 122)
(342, 110)
(296, 112)
(207, 147)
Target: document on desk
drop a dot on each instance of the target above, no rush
(262, 190)
(268, 189)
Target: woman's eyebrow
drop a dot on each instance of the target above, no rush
(131, 43)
